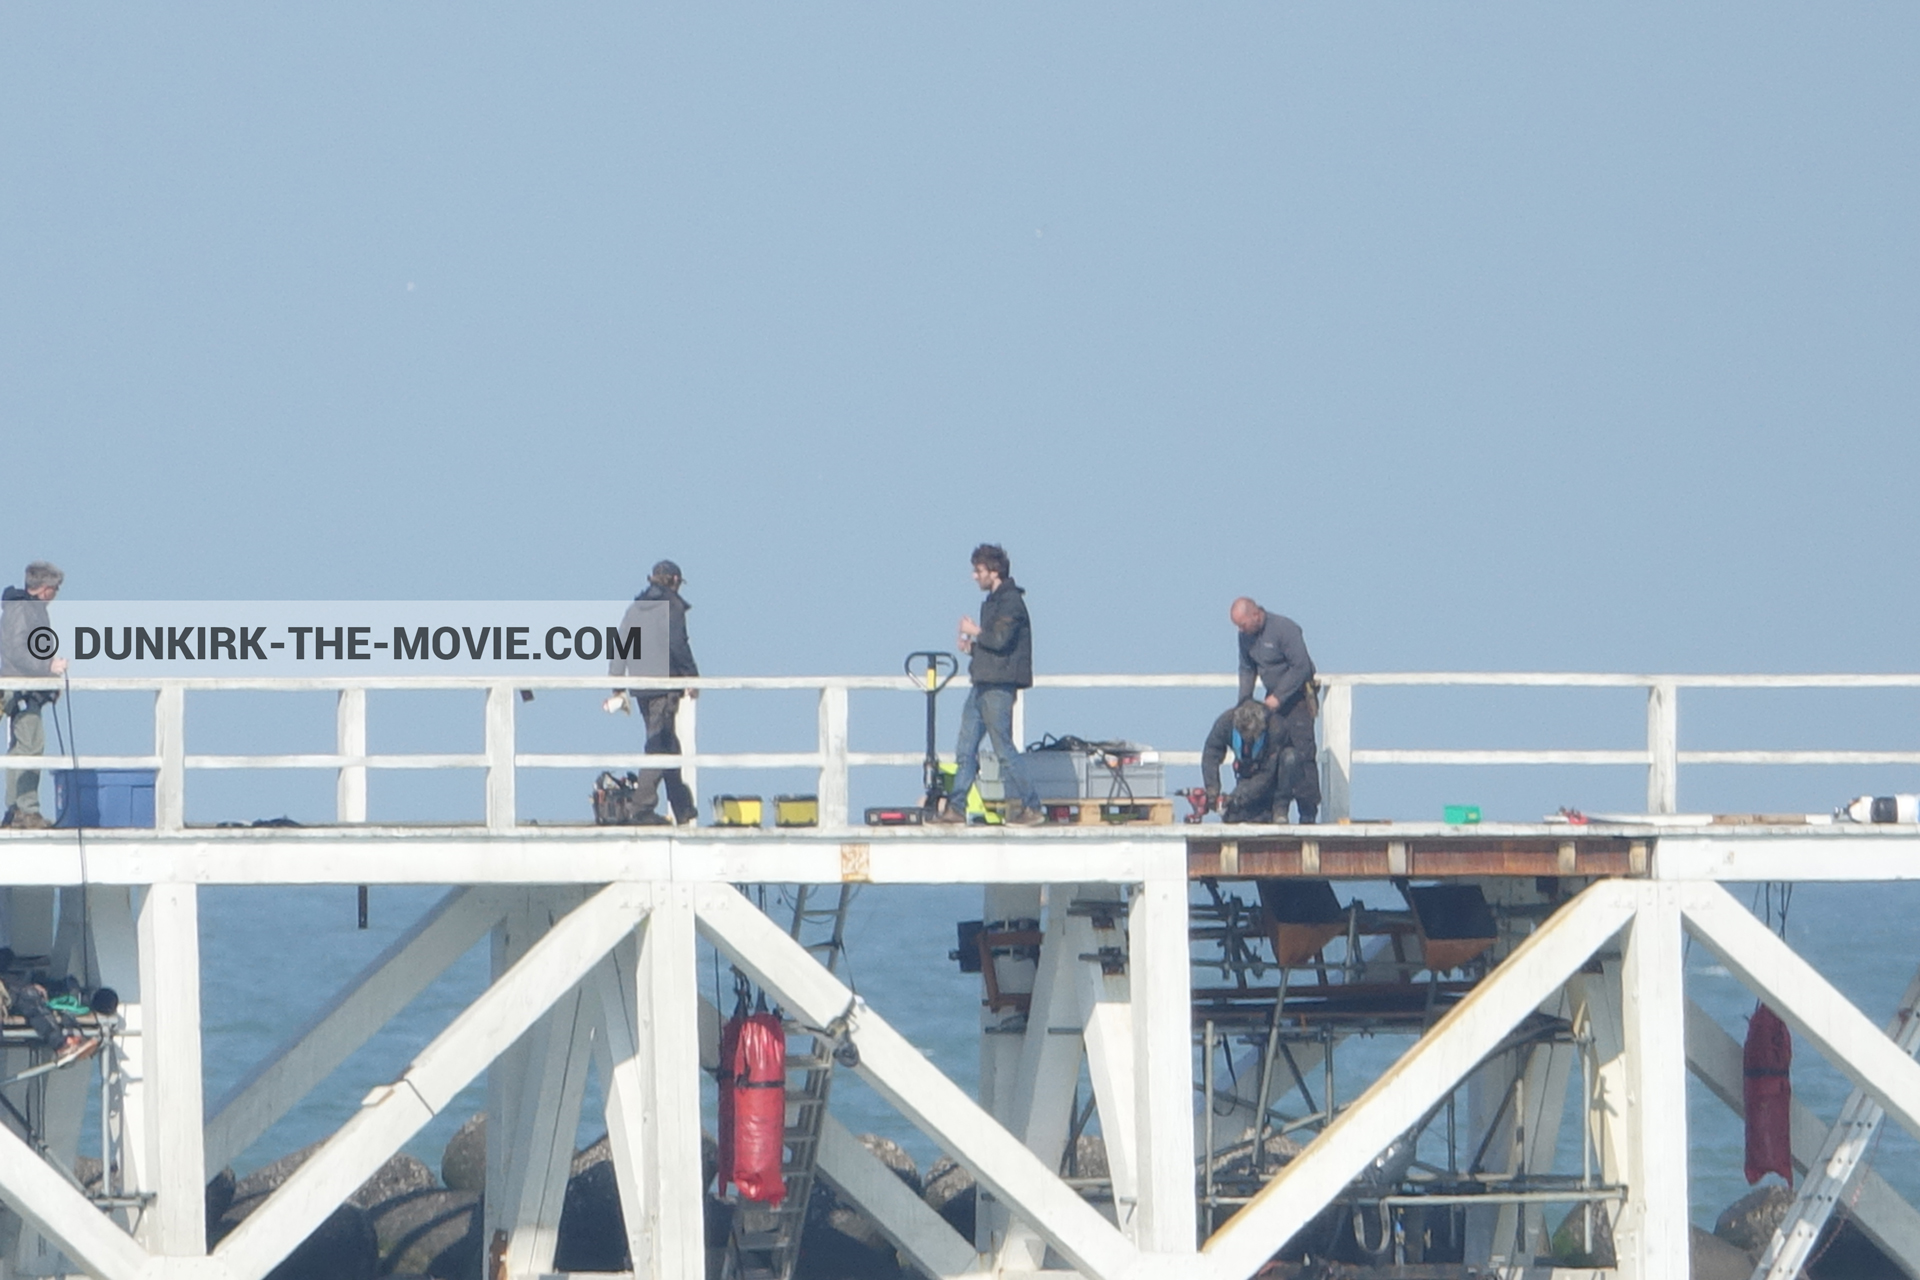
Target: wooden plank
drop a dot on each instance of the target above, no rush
(1094, 812)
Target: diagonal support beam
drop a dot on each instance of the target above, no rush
(534, 1190)
(902, 1075)
(903, 1217)
(35, 1190)
(375, 996)
(1457, 1044)
(394, 1113)
(1889, 1221)
(1805, 1001)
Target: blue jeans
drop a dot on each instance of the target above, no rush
(989, 712)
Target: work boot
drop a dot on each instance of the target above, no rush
(946, 814)
(27, 820)
(1309, 814)
(649, 818)
(1018, 815)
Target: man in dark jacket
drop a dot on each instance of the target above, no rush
(1251, 735)
(658, 707)
(1000, 649)
(1273, 650)
(23, 611)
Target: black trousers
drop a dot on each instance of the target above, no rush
(658, 710)
(1299, 761)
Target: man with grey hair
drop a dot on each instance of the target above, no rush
(23, 612)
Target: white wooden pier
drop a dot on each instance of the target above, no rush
(594, 935)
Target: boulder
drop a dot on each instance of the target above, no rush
(895, 1157)
(268, 1177)
(839, 1242)
(429, 1231)
(1089, 1157)
(463, 1165)
(593, 1229)
(1847, 1254)
(1712, 1258)
(828, 1212)
(950, 1192)
(1749, 1222)
(219, 1196)
(402, 1175)
(341, 1248)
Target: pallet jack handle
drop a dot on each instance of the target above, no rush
(933, 670)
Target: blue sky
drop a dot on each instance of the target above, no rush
(1500, 336)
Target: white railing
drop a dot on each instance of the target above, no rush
(833, 759)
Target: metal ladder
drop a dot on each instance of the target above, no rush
(1846, 1147)
(765, 1240)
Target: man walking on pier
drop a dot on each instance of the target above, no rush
(1000, 665)
(1273, 650)
(658, 707)
(23, 613)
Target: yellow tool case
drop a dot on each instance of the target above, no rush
(737, 811)
(796, 811)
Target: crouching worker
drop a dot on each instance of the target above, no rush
(1253, 735)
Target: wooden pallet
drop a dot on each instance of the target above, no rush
(1152, 810)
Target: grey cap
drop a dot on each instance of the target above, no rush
(666, 569)
(43, 574)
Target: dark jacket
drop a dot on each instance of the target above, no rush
(679, 650)
(1003, 651)
(20, 616)
(1277, 653)
(1256, 766)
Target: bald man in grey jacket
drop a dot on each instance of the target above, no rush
(1274, 651)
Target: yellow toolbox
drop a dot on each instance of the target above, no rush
(737, 811)
(796, 811)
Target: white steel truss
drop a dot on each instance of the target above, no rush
(608, 973)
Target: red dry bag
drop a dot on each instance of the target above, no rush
(1769, 1096)
(753, 1106)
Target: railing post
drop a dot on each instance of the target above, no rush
(500, 769)
(1663, 747)
(834, 785)
(350, 739)
(1336, 752)
(686, 727)
(170, 744)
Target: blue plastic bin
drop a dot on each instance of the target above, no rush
(103, 797)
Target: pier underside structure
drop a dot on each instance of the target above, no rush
(1183, 991)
